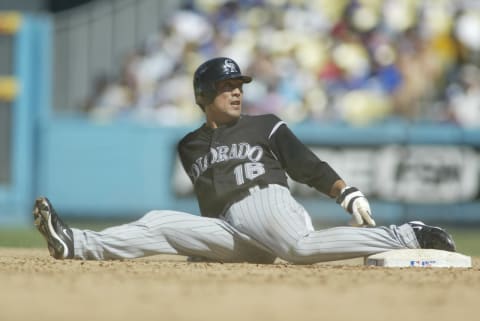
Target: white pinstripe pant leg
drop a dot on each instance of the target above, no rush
(275, 219)
(167, 232)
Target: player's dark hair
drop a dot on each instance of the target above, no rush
(211, 72)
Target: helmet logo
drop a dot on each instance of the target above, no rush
(229, 66)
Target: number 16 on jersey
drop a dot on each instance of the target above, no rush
(248, 171)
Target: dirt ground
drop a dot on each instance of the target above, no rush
(34, 286)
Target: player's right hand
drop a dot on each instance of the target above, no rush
(355, 203)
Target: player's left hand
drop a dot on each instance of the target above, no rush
(355, 203)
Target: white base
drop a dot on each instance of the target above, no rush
(419, 258)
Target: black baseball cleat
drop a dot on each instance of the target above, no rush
(58, 235)
(432, 237)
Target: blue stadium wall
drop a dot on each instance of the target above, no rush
(31, 70)
(127, 169)
(124, 169)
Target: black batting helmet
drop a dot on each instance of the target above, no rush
(209, 73)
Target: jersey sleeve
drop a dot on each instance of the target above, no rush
(183, 157)
(299, 161)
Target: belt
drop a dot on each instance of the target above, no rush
(255, 188)
(240, 195)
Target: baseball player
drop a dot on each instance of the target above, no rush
(238, 165)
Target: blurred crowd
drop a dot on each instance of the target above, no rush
(355, 62)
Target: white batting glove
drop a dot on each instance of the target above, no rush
(355, 203)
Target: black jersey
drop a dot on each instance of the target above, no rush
(223, 163)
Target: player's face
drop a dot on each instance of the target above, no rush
(227, 105)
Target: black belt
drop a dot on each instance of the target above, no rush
(247, 192)
(240, 195)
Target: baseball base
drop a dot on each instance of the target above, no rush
(419, 258)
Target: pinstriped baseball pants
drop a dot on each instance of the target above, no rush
(268, 223)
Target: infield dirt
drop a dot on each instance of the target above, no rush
(36, 287)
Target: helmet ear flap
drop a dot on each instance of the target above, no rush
(200, 95)
(200, 99)
(203, 94)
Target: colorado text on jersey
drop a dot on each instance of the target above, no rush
(225, 153)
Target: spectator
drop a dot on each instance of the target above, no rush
(465, 97)
(348, 61)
